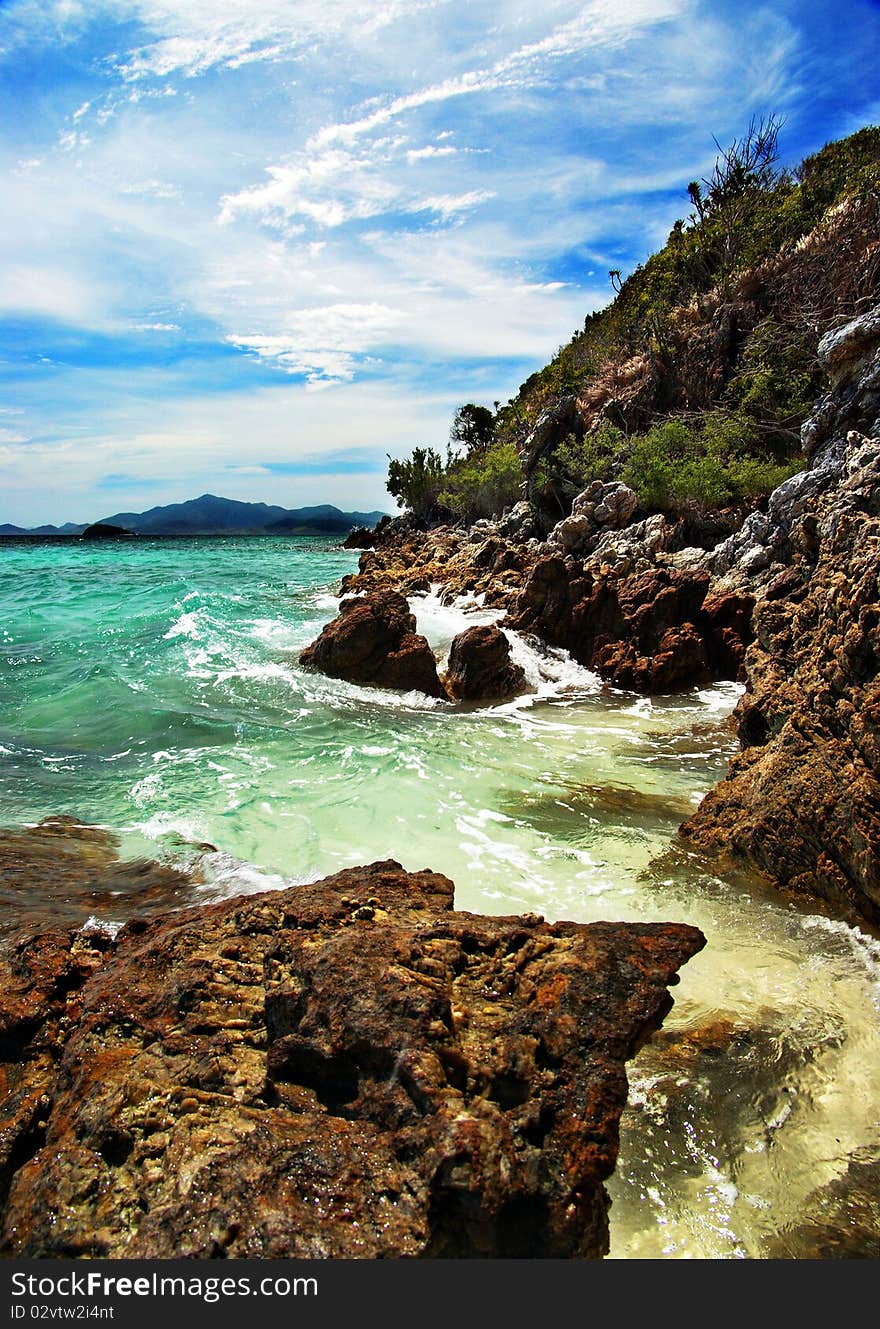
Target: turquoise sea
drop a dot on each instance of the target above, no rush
(152, 687)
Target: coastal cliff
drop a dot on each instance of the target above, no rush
(786, 603)
(689, 512)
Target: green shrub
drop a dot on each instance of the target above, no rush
(706, 463)
(416, 482)
(577, 461)
(777, 378)
(483, 486)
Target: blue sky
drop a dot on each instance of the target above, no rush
(253, 246)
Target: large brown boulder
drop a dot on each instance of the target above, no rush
(373, 640)
(348, 1068)
(480, 668)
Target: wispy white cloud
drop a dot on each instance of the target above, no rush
(322, 342)
(406, 204)
(195, 36)
(419, 154)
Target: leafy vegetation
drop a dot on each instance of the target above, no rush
(416, 482)
(480, 478)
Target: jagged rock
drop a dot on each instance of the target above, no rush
(599, 507)
(345, 1069)
(360, 538)
(518, 523)
(480, 668)
(648, 631)
(850, 357)
(842, 349)
(802, 801)
(611, 504)
(572, 534)
(373, 640)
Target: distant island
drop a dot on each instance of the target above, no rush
(210, 515)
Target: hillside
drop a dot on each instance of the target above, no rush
(210, 515)
(717, 332)
(692, 385)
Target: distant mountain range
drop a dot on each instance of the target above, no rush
(210, 515)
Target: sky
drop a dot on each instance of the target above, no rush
(253, 247)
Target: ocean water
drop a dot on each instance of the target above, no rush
(153, 688)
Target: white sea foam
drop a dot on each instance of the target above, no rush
(109, 927)
(191, 830)
(186, 625)
(441, 622)
(225, 876)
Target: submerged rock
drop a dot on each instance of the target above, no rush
(348, 1068)
(373, 640)
(480, 668)
(70, 872)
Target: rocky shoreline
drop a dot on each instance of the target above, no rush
(787, 602)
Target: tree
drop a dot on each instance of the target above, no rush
(473, 427)
(416, 482)
(728, 198)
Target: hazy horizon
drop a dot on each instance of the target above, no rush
(253, 251)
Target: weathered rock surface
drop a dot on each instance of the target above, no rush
(373, 640)
(341, 1069)
(656, 631)
(480, 561)
(480, 668)
(599, 508)
(802, 801)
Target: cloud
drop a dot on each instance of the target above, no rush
(337, 186)
(323, 342)
(318, 223)
(202, 36)
(603, 23)
(419, 154)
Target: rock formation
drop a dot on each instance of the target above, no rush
(341, 1069)
(373, 640)
(480, 668)
(655, 631)
(76, 871)
(802, 801)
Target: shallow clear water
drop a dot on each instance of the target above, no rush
(153, 687)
